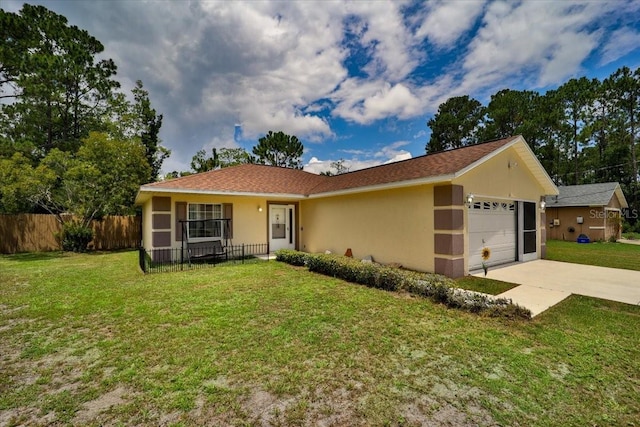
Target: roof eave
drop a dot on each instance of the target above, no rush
(140, 199)
(623, 200)
(150, 190)
(575, 205)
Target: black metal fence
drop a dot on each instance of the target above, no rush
(177, 259)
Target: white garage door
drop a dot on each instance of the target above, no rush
(492, 225)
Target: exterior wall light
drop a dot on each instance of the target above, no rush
(259, 208)
(469, 200)
(543, 205)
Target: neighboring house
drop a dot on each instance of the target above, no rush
(591, 209)
(430, 213)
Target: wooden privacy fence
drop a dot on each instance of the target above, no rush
(37, 233)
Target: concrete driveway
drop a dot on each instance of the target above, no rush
(546, 283)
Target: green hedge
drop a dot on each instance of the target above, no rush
(433, 286)
(292, 257)
(76, 237)
(356, 271)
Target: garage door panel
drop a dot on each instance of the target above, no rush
(492, 225)
(501, 237)
(500, 255)
(501, 252)
(495, 236)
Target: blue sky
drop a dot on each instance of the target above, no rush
(353, 80)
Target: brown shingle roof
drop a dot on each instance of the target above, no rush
(248, 178)
(262, 179)
(431, 165)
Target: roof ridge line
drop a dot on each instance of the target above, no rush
(428, 154)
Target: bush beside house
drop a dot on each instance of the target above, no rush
(433, 286)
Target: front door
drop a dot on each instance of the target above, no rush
(282, 227)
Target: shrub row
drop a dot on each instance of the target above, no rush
(292, 257)
(438, 288)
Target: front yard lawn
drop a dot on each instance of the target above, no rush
(89, 340)
(484, 285)
(615, 255)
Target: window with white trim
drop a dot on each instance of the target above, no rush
(204, 229)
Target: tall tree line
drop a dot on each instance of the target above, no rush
(70, 141)
(585, 131)
(274, 149)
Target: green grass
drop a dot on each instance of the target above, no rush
(484, 285)
(615, 255)
(88, 340)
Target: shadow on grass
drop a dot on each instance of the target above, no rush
(35, 256)
(42, 256)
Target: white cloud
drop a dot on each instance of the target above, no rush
(221, 142)
(392, 151)
(362, 159)
(621, 42)
(267, 94)
(317, 166)
(396, 100)
(405, 155)
(394, 48)
(447, 21)
(365, 102)
(566, 57)
(394, 54)
(421, 134)
(545, 44)
(354, 152)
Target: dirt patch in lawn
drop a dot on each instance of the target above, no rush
(90, 410)
(5, 309)
(12, 322)
(25, 417)
(342, 406)
(267, 409)
(426, 411)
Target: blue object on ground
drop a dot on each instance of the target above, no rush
(583, 238)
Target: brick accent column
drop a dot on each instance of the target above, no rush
(161, 228)
(448, 225)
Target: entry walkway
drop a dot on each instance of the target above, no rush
(545, 283)
(629, 242)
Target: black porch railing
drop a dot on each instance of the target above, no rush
(178, 259)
